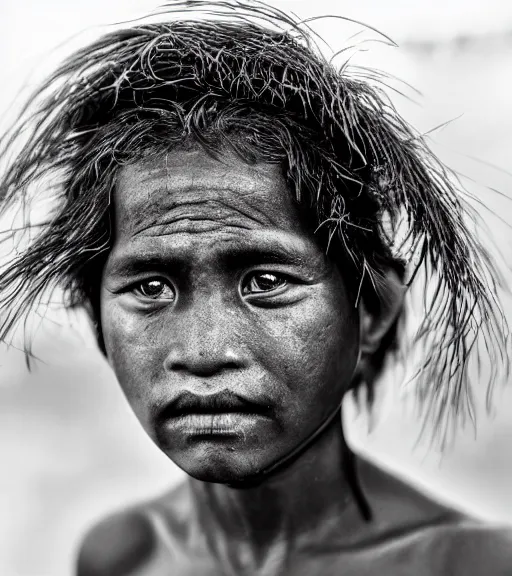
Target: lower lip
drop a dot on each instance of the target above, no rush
(223, 424)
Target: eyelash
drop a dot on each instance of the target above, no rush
(137, 288)
(283, 279)
(250, 277)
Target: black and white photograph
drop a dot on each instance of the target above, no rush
(255, 288)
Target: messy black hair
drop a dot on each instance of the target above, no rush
(246, 76)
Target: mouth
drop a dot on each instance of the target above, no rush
(220, 414)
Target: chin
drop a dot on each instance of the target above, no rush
(216, 464)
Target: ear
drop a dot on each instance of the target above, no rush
(377, 320)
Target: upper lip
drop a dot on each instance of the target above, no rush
(219, 403)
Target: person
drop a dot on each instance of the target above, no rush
(241, 220)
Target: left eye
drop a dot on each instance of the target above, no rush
(155, 289)
(263, 282)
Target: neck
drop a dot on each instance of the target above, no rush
(307, 502)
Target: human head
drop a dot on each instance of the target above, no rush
(379, 199)
(217, 296)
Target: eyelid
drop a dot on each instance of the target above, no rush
(129, 283)
(134, 289)
(287, 278)
(277, 270)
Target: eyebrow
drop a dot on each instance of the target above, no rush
(271, 254)
(134, 264)
(236, 256)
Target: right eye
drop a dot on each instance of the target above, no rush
(263, 282)
(155, 289)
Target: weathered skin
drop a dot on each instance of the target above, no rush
(215, 284)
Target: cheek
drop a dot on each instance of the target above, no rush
(303, 355)
(131, 354)
(313, 349)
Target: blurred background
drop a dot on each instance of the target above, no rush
(70, 449)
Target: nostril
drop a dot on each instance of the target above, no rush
(176, 366)
(204, 360)
(201, 364)
(231, 366)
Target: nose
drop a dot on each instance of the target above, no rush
(206, 339)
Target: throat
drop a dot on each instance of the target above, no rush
(305, 501)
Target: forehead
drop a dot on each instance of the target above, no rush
(190, 191)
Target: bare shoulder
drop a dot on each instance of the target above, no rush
(117, 545)
(432, 535)
(400, 505)
(128, 541)
(472, 547)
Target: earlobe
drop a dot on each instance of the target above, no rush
(375, 322)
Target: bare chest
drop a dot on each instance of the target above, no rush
(389, 559)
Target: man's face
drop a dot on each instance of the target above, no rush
(231, 333)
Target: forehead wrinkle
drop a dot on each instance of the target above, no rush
(199, 213)
(183, 176)
(196, 189)
(188, 226)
